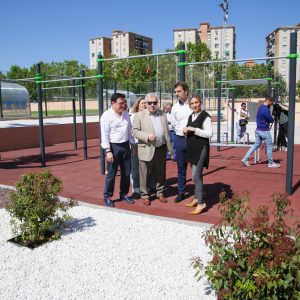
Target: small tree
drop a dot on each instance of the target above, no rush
(255, 259)
(35, 207)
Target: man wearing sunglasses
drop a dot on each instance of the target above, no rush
(150, 127)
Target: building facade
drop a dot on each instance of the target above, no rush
(96, 45)
(278, 44)
(121, 44)
(219, 39)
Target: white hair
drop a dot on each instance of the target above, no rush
(151, 97)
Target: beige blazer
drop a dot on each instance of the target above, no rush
(142, 127)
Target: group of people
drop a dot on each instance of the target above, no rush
(141, 143)
(139, 146)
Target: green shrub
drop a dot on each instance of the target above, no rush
(253, 254)
(35, 207)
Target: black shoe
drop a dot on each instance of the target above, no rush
(127, 199)
(179, 198)
(108, 202)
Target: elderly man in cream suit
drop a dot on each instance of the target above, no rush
(151, 129)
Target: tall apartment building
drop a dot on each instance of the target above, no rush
(219, 39)
(96, 45)
(121, 44)
(278, 44)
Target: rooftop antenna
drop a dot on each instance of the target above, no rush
(224, 54)
(225, 7)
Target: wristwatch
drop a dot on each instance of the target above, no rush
(108, 150)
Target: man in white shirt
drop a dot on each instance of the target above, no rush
(180, 114)
(115, 138)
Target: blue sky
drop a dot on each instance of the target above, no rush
(59, 30)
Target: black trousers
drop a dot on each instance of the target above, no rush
(282, 135)
(122, 158)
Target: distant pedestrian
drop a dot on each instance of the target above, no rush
(242, 121)
(262, 133)
(281, 113)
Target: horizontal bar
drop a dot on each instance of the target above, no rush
(235, 60)
(213, 89)
(245, 82)
(137, 56)
(229, 145)
(61, 87)
(20, 79)
(72, 78)
(58, 76)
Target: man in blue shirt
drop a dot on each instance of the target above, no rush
(262, 133)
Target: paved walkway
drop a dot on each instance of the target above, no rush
(82, 180)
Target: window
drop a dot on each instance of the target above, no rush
(92, 41)
(216, 45)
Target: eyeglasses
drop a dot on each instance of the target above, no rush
(152, 102)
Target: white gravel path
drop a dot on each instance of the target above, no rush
(107, 254)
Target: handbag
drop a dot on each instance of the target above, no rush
(243, 122)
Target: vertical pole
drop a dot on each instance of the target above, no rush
(1, 108)
(115, 87)
(101, 109)
(198, 87)
(45, 95)
(79, 100)
(219, 111)
(160, 96)
(106, 93)
(182, 66)
(269, 80)
(291, 122)
(157, 71)
(82, 74)
(198, 91)
(172, 97)
(232, 114)
(74, 113)
(276, 101)
(40, 111)
(153, 85)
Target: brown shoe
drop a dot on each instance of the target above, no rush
(147, 202)
(199, 209)
(193, 203)
(162, 199)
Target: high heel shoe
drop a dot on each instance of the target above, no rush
(193, 203)
(199, 209)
